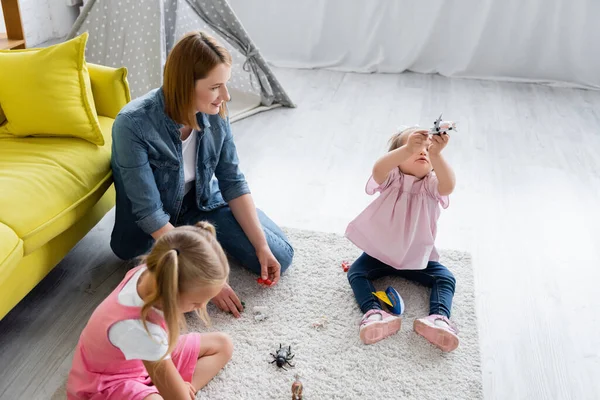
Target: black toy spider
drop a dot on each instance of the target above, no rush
(284, 355)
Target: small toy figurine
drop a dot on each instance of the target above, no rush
(321, 323)
(297, 389)
(284, 355)
(259, 309)
(383, 297)
(345, 266)
(392, 299)
(260, 313)
(266, 282)
(440, 126)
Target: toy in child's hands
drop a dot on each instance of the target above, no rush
(392, 299)
(440, 127)
(243, 307)
(283, 357)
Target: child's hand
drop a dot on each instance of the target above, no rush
(438, 142)
(417, 141)
(192, 391)
(226, 300)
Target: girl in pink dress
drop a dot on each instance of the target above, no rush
(397, 234)
(131, 347)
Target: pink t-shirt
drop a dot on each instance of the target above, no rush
(399, 227)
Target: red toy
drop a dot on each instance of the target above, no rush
(345, 266)
(267, 282)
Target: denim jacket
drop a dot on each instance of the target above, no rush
(147, 166)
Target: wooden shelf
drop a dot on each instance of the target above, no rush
(14, 37)
(10, 44)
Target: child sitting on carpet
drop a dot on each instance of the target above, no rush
(131, 348)
(397, 232)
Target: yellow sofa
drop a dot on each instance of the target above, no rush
(53, 190)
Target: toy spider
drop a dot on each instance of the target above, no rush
(284, 355)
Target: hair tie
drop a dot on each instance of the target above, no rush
(176, 251)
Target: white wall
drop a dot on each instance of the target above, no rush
(46, 19)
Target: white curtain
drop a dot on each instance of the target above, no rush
(549, 41)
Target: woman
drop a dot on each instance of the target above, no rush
(175, 163)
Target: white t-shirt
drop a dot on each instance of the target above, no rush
(130, 336)
(190, 156)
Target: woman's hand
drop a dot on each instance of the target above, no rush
(269, 266)
(438, 142)
(228, 301)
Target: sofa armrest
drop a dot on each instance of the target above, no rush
(110, 89)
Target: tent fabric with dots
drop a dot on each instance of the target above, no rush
(139, 35)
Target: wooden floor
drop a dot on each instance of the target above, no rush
(526, 206)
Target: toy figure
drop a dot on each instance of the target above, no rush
(440, 127)
(283, 357)
(297, 389)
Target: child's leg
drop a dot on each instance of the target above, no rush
(200, 357)
(376, 324)
(215, 352)
(361, 273)
(436, 327)
(442, 284)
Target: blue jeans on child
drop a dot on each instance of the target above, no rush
(233, 239)
(436, 276)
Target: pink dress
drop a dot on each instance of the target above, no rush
(100, 370)
(399, 227)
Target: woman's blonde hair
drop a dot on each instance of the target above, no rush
(192, 58)
(399, 138)
(183, 258)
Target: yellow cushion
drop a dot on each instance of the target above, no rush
(2, 117)
(47, 92)
(18, 278)
(110, 89)
(48, 184)
(11, 251)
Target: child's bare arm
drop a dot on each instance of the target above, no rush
(443, 171)
(394, 158)
(167, 380)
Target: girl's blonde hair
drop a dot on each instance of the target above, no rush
(399, 138)
(192, 58)
(183, 258)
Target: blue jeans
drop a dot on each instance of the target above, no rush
(366, 269)
(233, 239)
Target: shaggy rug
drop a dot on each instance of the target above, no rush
(313, 310)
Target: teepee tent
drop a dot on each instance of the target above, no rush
(139, 34)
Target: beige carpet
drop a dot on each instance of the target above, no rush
(332, 362)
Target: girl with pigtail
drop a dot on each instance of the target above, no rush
(131, 347)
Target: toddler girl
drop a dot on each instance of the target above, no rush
(131, 347)
(397, 232)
